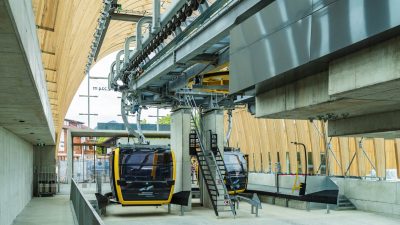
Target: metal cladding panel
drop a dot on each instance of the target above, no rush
(287, 36)
(273, 18)
(319, 183)
(344, 23)
(277, 53)
(318, 4)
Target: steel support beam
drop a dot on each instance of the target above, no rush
(103, 34)
(125, 17)
(209, 33)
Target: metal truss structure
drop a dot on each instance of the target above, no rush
(186, 42)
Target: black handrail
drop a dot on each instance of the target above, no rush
(303, 187)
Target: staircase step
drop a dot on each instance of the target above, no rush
(345, 205)
(211, 160)
(346, 208)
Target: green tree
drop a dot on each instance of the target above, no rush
(101, 150)
(165, 119)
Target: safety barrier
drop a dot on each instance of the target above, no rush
(84, 212)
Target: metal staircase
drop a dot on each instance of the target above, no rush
(344, 203)
(220, 160)
(211, 165)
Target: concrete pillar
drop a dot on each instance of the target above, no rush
(180, 129)
(70, 156)
(212, 120)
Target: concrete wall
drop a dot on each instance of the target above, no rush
(367, 74)
(16, 175)
(373, 196)
(44, 160)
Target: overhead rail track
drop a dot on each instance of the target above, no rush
(209, 33)
(199, 44)
(109, 12)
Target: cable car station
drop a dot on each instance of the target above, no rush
(277, 112)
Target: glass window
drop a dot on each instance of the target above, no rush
(269, 162)
(146, 165)
(323, 163)
(310, 163)
(287, 162)
(299, 165)
(235, 162)
(138, 166)
(145, 174)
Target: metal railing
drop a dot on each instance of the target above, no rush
(84, 211)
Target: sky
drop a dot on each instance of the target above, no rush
(107, 105)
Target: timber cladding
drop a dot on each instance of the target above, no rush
(268, 141)
(65, 31)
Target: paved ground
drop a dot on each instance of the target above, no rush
(53, 210)
(57, 211)
(46, 211)
(270, 214)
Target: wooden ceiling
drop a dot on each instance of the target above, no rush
(65, 30)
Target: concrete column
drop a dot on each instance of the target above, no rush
(70, 156)
(212, 120)
(180, 129)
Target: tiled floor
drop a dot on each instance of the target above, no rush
(46, 211)
(270, 214)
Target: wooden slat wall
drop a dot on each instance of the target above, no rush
(344, 156)
(397, 155)
(291, 135)
(380, 157)
(262, 137)
(315, 144)
(65, 32)
(354, 166)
